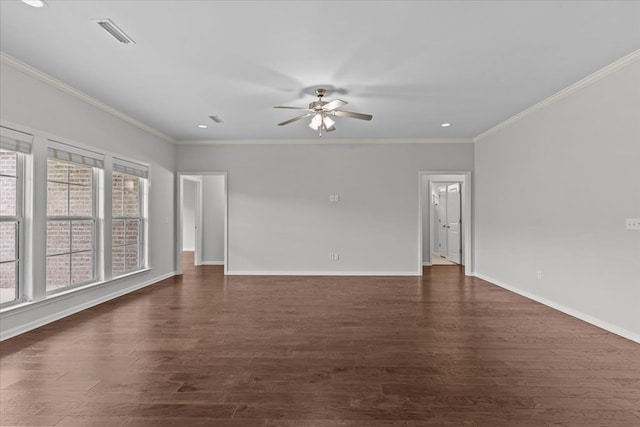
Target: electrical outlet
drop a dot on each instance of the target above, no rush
(336, 256)
(539, 274)
(633, 223)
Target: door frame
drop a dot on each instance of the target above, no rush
(197, 220)
(424, 191)
(434, 230)
(181, 178)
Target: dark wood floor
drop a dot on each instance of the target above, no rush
(210, 350)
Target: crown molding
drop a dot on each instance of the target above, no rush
(325, 141)
(579, 85)
(60, 85)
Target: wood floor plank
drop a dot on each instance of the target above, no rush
(192, 422)
(204, 349)
(29, 420)
(93, 422)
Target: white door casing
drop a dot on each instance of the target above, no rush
(198, 229)
(426, 234)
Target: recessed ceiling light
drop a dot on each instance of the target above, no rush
(203, 126)
(445, 125)
(35, 3)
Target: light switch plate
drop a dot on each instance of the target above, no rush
(633, 223)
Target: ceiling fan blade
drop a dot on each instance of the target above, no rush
(329, 129)
(332, 105)
(352, 115)
(291, 108)
(286, 122)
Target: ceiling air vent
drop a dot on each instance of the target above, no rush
(216, 119)
(117, 33)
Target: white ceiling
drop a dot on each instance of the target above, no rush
(413, 65)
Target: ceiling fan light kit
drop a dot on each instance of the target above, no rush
(35, 3)
(321, 110)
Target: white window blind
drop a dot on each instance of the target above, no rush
(15, 141)
(70, 153)
(130, 168)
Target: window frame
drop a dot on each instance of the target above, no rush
(142, 221)
(37, 242)
(18, 219)
(94, 218)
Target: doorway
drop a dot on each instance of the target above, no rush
(445, 219)
(202, 220)
(446, 239)
(191, 218)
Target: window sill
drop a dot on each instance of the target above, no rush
(67, 293)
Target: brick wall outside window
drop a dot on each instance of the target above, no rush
(70, 224)
(126, 223)
(8, 225)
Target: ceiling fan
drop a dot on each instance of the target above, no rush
(321, 110)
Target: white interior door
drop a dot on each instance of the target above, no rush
(441, 214)
(453, 223)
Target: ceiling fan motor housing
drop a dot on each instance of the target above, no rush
(317, 105)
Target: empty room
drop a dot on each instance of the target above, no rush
(319, 213)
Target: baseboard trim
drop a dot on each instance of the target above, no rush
(76, 309)
(212, 263)
(322, 273)
(614, 329)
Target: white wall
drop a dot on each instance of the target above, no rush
(213, 210)
(280, 217)
(541, 203)
(48, 111)
(189, 215)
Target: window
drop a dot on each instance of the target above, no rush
(9, 227)
(128, 219)
(65, 242)
(12, 145)
(72, 176)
